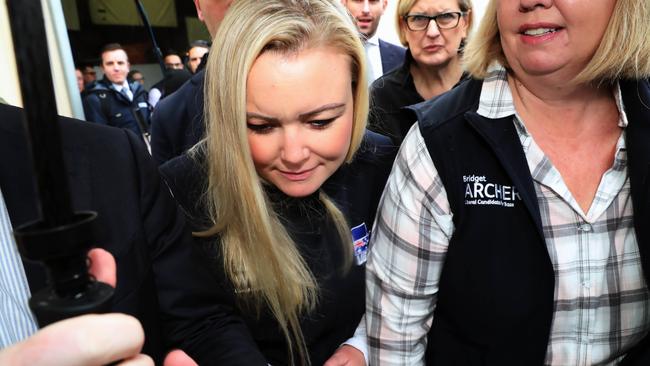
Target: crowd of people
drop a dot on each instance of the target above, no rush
(119, 99)
(309, 194)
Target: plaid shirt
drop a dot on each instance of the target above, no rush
(596, 318)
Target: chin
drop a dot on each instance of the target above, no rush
(538, 68)
(298, 192)
(435, 60)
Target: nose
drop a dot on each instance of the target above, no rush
(432, 29)
(530, 5)
(366, 6)
(294, 149)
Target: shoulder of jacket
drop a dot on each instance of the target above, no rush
(449, 106)
(186, 177)
(392, 46)
(99, 89)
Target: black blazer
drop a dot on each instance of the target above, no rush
(110, 172)
(392, 55)
(177, 120)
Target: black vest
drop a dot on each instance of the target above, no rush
(495, 301)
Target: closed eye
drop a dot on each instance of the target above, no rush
(260, 128)
(322, 123)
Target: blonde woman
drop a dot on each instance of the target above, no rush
(528, 186)
(282, 191)
(433, 31)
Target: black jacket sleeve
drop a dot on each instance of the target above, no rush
(194, 319)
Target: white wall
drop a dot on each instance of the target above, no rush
(67, 99)
(387, 25)
(9, 86)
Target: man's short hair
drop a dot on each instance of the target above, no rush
(200, 43)
(172, 52)
(112, 47)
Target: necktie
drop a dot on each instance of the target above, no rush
(125, 92)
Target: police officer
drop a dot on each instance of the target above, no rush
(112, 100)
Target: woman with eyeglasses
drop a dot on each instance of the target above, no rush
(433, 32)
(513, 229)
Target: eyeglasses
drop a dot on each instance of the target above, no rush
(418, 22)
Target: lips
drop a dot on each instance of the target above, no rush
(535, 33)
(539, 31)
(364, 21)
(432, 48)
(297, 176)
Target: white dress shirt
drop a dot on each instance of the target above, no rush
(375, 69)
(16, 320)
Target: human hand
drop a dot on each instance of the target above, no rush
(88, 340)
(346, 356)
(179, 358)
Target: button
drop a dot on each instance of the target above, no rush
(585, 227)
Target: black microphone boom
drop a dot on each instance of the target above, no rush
(147, 24)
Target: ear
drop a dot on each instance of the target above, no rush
(199, 13)
(467, 20)
(383, 7)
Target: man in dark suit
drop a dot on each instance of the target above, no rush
(177, 121)
(382, 56)
(110, 172)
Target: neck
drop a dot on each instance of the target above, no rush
(561, 107)
(432, 81)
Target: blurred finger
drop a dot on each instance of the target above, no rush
(179, 358)
(102, 266)
(139, 360)
(85, 340)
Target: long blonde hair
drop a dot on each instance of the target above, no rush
(624, 50)
(260, 258)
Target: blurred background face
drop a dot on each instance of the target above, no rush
(89, 74)
(115, 65)
(542, 37)
(367, 14)
(434, 46)
(80, 79)
(173, 62)
(139, 78)
(211, 12)
(299, 136)
(195, 55)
